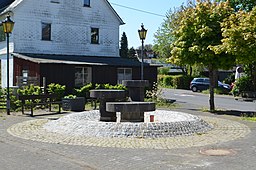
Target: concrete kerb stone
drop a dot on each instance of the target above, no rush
(223, 131)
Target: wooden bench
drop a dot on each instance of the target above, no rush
(42, 99)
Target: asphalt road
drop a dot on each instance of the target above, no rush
(200, 100)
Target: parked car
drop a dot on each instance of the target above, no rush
(200, 84)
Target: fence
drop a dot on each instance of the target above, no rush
(25, 81)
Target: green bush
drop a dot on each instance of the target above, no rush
(167, 81)
(230, 79)
(29, 90)
(160, 80)
(163, 70)
(84, 91)
(178, 81)
(57, 89)
(241, 85)
(25, 90)
(181, 81)
(70, 96)
(108, 86)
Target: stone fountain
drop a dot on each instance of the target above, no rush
(132, 110)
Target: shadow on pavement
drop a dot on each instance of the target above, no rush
(236, 113)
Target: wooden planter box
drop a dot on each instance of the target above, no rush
(76, 104)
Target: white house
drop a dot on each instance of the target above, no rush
(70, 42)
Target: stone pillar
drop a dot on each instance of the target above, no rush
(136, 90)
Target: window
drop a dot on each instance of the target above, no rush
(2, 34)
(95, 35)
(87, 3)
(83, 75)
(46, 31)
(123, 74)
(24, 77)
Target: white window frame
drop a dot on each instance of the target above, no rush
(124, 75)
(84, 77)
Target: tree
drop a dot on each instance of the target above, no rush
(245, 5)
(239, 39)
(196, 32)
(131, 53)
(163, 37)
(124, 46)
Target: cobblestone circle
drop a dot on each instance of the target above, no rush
(170, 130)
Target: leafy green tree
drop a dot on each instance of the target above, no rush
(196, 32)
(239, 39)
(131, 53)
(163, 38)
(246, 5)
(124, 46)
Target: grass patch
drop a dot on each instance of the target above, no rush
(163, 103)
(249, 119)
(217, 91)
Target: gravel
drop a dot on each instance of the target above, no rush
(166, 124)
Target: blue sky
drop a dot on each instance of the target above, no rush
(133, 19)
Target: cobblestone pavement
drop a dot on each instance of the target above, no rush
(223, 131)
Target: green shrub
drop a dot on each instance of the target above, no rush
(57, 89)
(70, 96)
(230, 79)
(29, 90)
(163, 70)
(167, 81)
(160, 79)
(241, 85)
(84, 91)
(108, 86)
(181, 81)
(25, 90)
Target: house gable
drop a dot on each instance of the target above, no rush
(71, 24)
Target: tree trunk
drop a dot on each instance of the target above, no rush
(191, 70)
(212, 77)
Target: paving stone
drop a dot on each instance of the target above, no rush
(172, 131)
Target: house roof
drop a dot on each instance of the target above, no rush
(79, 60)
(120, 19)
(9, 5)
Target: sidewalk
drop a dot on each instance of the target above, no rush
(237, 149)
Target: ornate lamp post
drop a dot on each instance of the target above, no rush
(142, 34)
(8, 27)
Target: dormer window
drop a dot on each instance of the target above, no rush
(87, 3)
(46, 31)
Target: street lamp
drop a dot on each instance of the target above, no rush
(8, 26)
(142, 33)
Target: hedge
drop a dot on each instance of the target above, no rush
(178, 81)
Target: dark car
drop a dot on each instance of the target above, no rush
(200, 84)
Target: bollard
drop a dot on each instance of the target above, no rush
(118, 117)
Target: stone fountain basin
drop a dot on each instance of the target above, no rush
(130, 111)
(130, 107)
